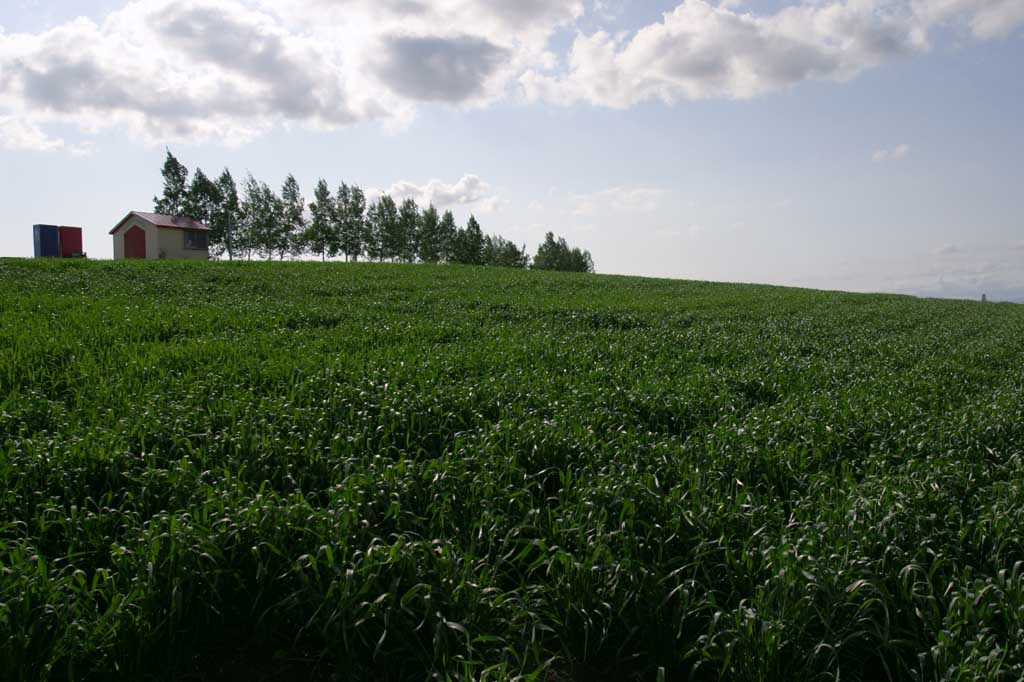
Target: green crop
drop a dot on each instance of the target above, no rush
(325, 471)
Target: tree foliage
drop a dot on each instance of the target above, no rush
(501, 252)
(203, 198)
(558, 255)
(293, 217)
(429, 235)
(224, 218)
(270, 225)
(469, 244)
(448, 233)
(408, 224)
(176, 190)
(352, 219)
(318, 230)
(389, 228)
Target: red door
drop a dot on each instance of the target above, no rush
(135, 243)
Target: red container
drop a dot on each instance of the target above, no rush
(70, 242)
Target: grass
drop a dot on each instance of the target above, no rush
(306, 471)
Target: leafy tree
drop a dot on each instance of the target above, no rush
(503, 253)
(408, 223)
(263, 221)
(557, 255)
(270, 225)
(550, 254)
(390, 228)
(277, 238)
(447, 237)
(353, 223)
(373, 237)
(469, 244)
(474, 244)
(202, 199)
(341, 204)
(428, 236)
(224, 217)
(176, 189)
(293, 226)
(580, 261)
(322, 215)
(249, 216)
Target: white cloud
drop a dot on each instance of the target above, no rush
(618, 199)
(469, 190)
(18, 134)
(229, 70)
(897, 153)
(986, 18)
(700, 50)
(703, 50)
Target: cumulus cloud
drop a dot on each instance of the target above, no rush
(447, 70)
(701, 50)
(195, 70)
(229, 70)
(985, 18)
(469, 190)
(704, 50)
(897, 153)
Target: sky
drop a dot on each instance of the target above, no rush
(861, 145)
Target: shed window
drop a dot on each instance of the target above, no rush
(196, 241)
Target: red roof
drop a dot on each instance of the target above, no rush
(170, 221)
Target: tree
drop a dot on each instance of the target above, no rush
(322, 213)
(373, 237)
(550, 254)
(503, 253)
(262, 220)
(408, 223)
(390, 228)
(225, 215)
(556, 255)
(474, 242)
(447, 237)
(202, 199)
(580, 261)
(353, 223)
(276, 236)
(293, 226)
(428, 236)
(249, 216)
(341, 204)
(175, 187)
(469, 244)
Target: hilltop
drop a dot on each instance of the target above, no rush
(303, 470)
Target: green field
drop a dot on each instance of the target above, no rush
(372, 472)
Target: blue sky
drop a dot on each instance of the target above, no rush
(869, 145)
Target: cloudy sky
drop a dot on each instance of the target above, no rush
(871, 145)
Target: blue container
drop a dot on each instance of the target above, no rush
(46, 239)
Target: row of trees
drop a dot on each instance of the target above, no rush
(259, 221)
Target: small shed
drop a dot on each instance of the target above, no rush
(152, 236)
